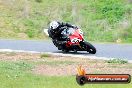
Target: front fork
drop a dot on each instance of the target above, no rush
(82, 45)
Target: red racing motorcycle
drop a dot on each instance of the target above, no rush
(75, 41)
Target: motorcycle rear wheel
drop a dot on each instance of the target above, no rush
(65, 50)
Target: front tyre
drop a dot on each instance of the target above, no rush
(89, 47)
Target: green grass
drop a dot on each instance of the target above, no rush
(18, 75)
(14, 69)
(117, 61)
(45, 55)
(101, 20)
(33, 81)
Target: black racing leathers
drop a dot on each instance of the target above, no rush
(55, 34)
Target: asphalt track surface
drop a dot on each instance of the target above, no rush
(121, 51)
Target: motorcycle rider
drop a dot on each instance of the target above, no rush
(54, 31)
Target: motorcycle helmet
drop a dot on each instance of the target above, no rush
(54, 24)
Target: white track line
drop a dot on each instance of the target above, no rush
(10, 50)
(60, 54)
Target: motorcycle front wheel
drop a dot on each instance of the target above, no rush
(89, 47)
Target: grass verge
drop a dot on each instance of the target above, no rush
(18, 74)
